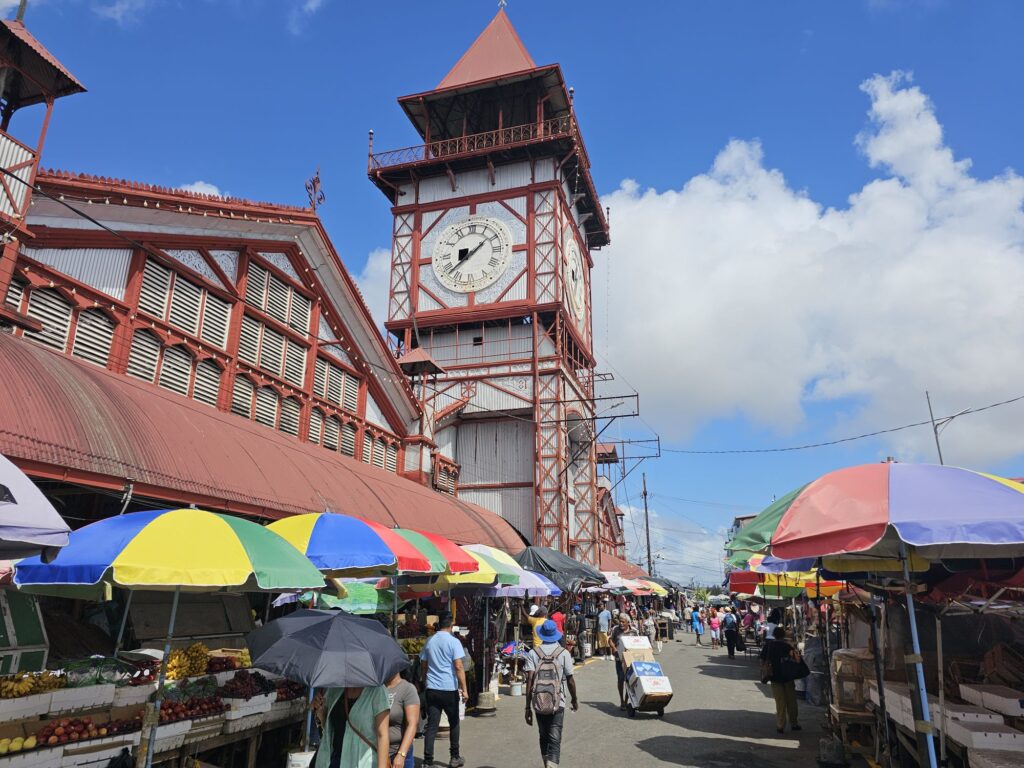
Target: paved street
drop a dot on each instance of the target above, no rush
(720, 716)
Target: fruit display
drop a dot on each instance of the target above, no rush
(56, 732)
(413, 645)
(188, 662)
(28, 684)
(245, 659)
(245, 685)
(221, 664)
(145, 672)
(288, 690)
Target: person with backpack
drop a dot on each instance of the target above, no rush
(548, 672)
(730, 627)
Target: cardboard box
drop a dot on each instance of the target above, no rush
(644, 669)
(994, 758)
(40, 756)
(629, 658)
(633, 643)
(998, 698)
(986, 736)
(650, 691)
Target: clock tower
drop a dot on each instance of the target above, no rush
(495, 221)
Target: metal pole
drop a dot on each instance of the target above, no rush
(394, 608)
(879, 679)
(942, 691)
(308, 730)
(647, 526)
(487, 626)
(124, 622)
(935, 427)
(922, 725)
(151, 739)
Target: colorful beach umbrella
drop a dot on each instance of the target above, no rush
(168, 549)
(444, 555)
(867, 511)
(491, 571)
(531, 584)
(29, 525)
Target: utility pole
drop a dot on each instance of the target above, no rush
(935, 428)
(647, 527)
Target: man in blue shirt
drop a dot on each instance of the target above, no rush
(604, 620)
(441, 661)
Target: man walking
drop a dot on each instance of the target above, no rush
(445, 682)
(731, 628)
(548, 671)
(604, 621)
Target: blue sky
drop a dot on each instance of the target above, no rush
(800, 312)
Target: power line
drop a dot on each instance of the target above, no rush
(844, 439)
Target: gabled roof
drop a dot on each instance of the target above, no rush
(497, 51)
(63, 418)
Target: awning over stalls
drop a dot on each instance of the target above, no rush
(622, 567)
(65, 419)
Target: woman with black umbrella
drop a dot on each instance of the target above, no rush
(355, 728)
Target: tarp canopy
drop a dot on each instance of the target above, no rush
(29, 525)
(567, 573)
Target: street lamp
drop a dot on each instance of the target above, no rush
(940, 424)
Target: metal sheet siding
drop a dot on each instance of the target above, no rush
(105, 269)
(495, 452)
(374, 415)
(64, 415)
(12, 154)
(513, 504)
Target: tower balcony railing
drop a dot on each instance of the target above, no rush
(461, 146)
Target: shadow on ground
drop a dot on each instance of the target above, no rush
(723, 753)
(727, 722)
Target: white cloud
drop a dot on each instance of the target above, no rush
(680, 550)
(8, 7)
(375, 283)
(737, 295)
(202, 188)
(301, 12)
(121, 11)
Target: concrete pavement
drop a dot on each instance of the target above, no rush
(720, 716)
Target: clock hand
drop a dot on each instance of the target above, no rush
(478, 247)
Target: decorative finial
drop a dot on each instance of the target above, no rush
(316, 195)
(501, 4)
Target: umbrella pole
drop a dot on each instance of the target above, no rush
(942, 691)
(151, 739)
(487, 626)
(879, 680)
(308, 729)
(124, 623)
(394, 608)
(922, 718)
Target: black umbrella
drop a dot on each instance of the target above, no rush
(327, 649)
(567, 573)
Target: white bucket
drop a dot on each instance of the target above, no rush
(588, 650)
(300, 759)
(515, 689)
(462, 709)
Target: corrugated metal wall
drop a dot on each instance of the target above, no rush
(373, 414)
(446, 440)
(513, 504)
(489, 399)
(105, 269)
(512, 176)
(495, 452)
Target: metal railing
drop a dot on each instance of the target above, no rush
(517, 135)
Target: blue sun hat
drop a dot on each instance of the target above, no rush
(548, 632)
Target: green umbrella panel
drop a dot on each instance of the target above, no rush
(756, 536)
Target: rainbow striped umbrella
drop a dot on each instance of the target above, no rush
(445, 556)
(169, 549)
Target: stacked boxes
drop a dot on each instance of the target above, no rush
(648, 686)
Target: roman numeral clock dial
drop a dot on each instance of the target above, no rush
(471, 254)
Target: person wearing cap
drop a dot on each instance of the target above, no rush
(730, 629)
(549, 725)
(538, 615)
(623, 627)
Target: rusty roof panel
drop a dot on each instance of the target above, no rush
(61, 414)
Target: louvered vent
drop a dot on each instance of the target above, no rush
(335, 383)
(332, 429)
(49, 308)
(216, 316)
(241, 397)
(272, 351)
(290, 416)
(266, 406)
(93, 335)
(299, 317)
(295, 364)
(277, 299)
(143, 357)
(176, 370)
(391, 458)
(320, 378)
(379, 450)
(256, 285)
(156, 285)
(367, 448)
(351, 401)
(316, 426)
(185, 300)
(249, 341)
(15, 290)
(348, 439)
(207, 386)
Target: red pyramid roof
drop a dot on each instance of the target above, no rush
(497, 51)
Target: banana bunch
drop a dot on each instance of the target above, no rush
(412, 645)
(177, 665)
(198, 656)
(16, 686)
(245, 659)
(48, 681)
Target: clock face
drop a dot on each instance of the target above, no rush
(574, 280)
(472, 254)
